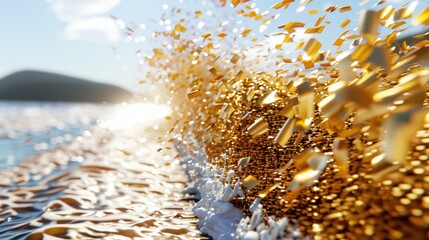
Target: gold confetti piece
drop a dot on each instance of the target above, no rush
(319, 21)
(306, 101)
(341, 155)
(282, 4)
(312, 47)
(345, 8)
(194, 94)
(353, 36)
(300, 161)
(304, 178)
(198, 14)
(246, 31)
(400, 128)
(391, 38)
(214, 71)
(179, 28)
(339, 41)
(368, 25)
(379, 58)
(313, 11)
(345, 23)
(206, 35)
(345, 66)
(266, 191)
(234, 59)
(250, 94)
(268, 98)
(396, 24)
(259, 127)
(361, 53)
(386, 12)
(226, 111)
(422, 17)
(250, 182)
(287, 111)
(389, 95)
(242, 162)
(292, 25)
(222, 35)
(286, 132)
(315, 30)
(405, 12)
(300, 44)
(235, 2)
(331, 8)
(125, 152)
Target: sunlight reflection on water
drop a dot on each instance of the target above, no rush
(128, 115)
(110, 182)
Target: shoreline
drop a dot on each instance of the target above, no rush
(118, 187)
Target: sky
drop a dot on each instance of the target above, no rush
(80, 38)
(67, 37)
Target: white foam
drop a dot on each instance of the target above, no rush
(217, 217)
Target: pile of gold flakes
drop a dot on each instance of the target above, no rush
(337, 140)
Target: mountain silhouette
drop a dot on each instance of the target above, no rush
(44, 86)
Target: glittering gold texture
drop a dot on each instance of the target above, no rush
(336, 139)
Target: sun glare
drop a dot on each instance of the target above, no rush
(142, 114)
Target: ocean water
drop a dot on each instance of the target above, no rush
(85, 171)
(29, 128)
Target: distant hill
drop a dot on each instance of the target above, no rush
(44, 86)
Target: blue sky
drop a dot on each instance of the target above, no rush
(79, 38)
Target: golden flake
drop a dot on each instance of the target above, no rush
(312, 46)
(368, 25)
(179, 28)
(422, 17)
(331, 8)
(405, 12)
(282, 4)
(292, 25)
(234, 59)
(250, 182)
(269, 98)
(246, 31)
(226, 111)
(266, 191)
(242, 162)
(198, 14)
(341, 157)
(345, 8)
(306, 101)
(319, 21)
(194, 94)
(222, 35)
(206, 35)
(317, 30)
(235, 2)
(259, 127)
(313, 11)
(386, 12)
(285, 133)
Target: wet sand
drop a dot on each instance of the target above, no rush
(108, 184)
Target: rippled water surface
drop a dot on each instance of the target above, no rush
(89, 172)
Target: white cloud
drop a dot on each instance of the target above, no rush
(84, 20)
(93, 29)
(67, 10)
